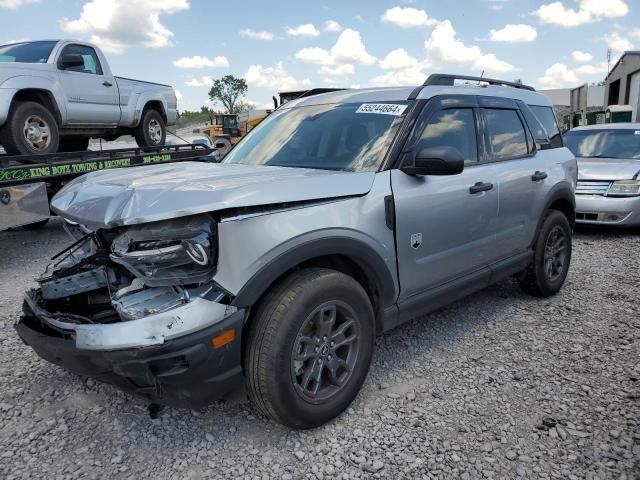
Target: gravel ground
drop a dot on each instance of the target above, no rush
(499, 385)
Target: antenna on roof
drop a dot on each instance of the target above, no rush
(480, 77)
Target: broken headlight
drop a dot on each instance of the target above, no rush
(180, 251)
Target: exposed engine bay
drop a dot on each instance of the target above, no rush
(132, 286)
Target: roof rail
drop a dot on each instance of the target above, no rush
(449, 79)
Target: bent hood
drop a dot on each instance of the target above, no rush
(130, 196)
(607, 169)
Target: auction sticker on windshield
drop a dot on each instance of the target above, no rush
(383, 108)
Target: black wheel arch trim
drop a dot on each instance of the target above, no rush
(561, 191)
(358, 251)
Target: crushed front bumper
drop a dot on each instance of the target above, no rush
(181, 371)
(600, 210)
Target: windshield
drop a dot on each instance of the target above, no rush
(351, 137)
(27, 52)
(604, 143)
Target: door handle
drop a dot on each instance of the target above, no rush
(536, 177)
(107, 84)
(480, 187)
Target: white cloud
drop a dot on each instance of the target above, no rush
(332, 26)
(514, 33)
(347, 49)
(315, 56)
(407, 76)
(590, 70)
(306, 82)
(588, 11)
(408, 17)
(497, 5)
(579, 56)
(247, 32)
(337, 71)
(204, 81)
(398, 59)
(617, 42)
(558, 75)
(118, 24)
(201, 62)
(305, 30)
(274, 78)
(13, 4)
(635, 33)
(445, 49)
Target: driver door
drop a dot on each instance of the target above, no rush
(444, 227)
(92, 96)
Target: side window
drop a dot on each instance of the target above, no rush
(507, 137)
(548, 120)
(453, 127)
(91, 62)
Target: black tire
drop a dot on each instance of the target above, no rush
(14, 134)
(547, 272)
(74, 144)
(144, 137)
(274, 377)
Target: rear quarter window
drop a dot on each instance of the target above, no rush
(547, 118)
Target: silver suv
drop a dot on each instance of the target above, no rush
(340, 216)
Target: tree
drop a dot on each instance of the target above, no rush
(229, 91)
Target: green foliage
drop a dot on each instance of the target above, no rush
(229, 91)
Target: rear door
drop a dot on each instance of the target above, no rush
(511, 151)
(92, 95)
(444, 229)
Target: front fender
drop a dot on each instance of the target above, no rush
(358, 250)
(34, 82)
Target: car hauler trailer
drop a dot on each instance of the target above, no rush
(28, 181)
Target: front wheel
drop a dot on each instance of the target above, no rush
(30, 130)
(548, 269)
(309, 347)
(152, 130)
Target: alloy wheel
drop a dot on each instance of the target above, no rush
(325, 352)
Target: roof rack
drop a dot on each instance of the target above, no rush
(449, 79)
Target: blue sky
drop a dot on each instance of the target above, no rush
(295, 44)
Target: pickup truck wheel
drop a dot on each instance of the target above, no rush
(309, 347)
(548, 269)
(74, 144)
(30, 130)
(152, 130)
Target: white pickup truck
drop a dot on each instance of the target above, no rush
(57, 94)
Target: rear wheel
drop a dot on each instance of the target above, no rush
(548, 269)
(30, 130)
(74, 144)
(152, 131)
(309, 347)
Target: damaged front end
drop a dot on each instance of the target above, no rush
(136, 306)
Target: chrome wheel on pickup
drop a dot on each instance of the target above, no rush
(30, 130)
(152, 130)
(37, 133)
(309, 347)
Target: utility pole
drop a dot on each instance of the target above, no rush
(608, 61)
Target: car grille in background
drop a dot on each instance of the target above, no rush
(592, 187)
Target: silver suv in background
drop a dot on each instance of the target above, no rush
(608, 191)
(338, 217)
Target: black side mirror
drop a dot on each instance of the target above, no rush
(71, 60)
(220, 145)
(435, 161)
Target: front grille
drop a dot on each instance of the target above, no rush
(592, 187)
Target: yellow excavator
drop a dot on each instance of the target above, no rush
(226, 130)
